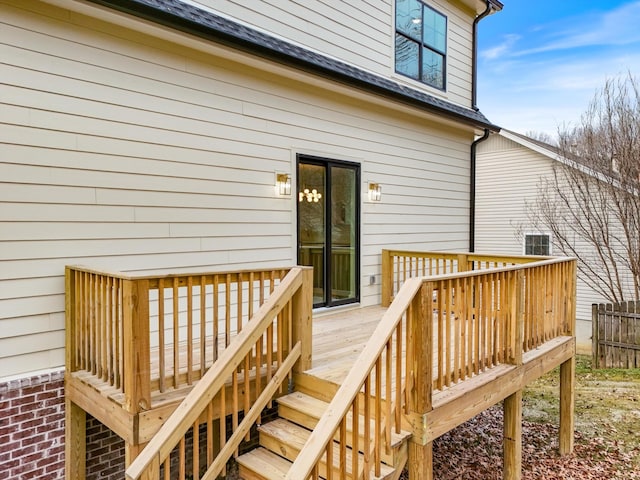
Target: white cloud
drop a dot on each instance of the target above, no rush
(616, 27)
(545, 77)
(501, 50)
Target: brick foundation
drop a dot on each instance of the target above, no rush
(32, 433)
(105, 452)
(32, 427)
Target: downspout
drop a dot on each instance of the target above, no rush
(472, 190)
(474, 55)
(474, 145)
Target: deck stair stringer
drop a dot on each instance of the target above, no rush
(282, 440)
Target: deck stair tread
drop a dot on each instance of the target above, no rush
(269, 465)
(287, 439)
(306, 410)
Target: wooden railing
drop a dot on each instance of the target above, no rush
(142, 335)
(485, 318)
(370, 402)
(274, 344)
(399, 265)
(438, 332)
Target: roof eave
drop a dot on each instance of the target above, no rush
(152, 10)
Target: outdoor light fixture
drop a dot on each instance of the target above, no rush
(375, 192)
(309, 195)
(283, 183)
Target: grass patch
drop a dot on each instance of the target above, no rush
(607, 405)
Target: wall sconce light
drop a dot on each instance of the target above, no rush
(375, 192)
(283, 184)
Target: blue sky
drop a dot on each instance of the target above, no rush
(540, 63)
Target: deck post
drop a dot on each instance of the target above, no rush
(387, 278)
(568, 372)
(136, 355)
(131, 451)
(421, 327)
(567, 401)
(75, 442)
(512, 439)
(463, 262)
(513, 436)
(302, 325)
(75, 445)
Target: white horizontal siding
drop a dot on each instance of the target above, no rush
(358, 32)
(508, 175)
(124, 152)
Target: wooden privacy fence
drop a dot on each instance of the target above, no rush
(616, 335)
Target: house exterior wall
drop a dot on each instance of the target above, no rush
(126, 152)
(32, 429)
(359, 32)
(507, 179)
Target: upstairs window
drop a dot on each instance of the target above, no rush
(537, 244)
(421, 42)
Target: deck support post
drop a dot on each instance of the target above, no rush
(513, 436)
(75, 446)
(567, 401)
(421, 327)
(568, 369)
(131, 451)
(420, 461)
(302, 311)
(136, 354)
(387, 278)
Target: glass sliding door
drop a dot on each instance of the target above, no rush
(328, 228)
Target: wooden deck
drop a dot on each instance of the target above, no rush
(467, 332)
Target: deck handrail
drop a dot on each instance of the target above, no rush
(359, 379)
(398, 265)
(505, 311)
(284, 318)
(116, 322)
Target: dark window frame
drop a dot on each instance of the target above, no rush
(537, 244)
(328, 163)
(422, 45)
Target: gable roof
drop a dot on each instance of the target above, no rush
(543, 148)
(203, 23)
(555, 154)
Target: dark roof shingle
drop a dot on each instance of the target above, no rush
(204, 23)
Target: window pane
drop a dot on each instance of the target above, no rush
(311, 204)
(435, 30)
(536, 245)
(409, 17)
(407, 57)
(432, 68)
(343, 233)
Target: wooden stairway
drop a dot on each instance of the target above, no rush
(282, 439)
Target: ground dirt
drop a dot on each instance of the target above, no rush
(607, 440)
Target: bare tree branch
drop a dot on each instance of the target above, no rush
(591, 204)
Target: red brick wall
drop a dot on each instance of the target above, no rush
(105, 452)
(32, 433)
(32, 427)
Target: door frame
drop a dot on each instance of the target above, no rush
(302, 158)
